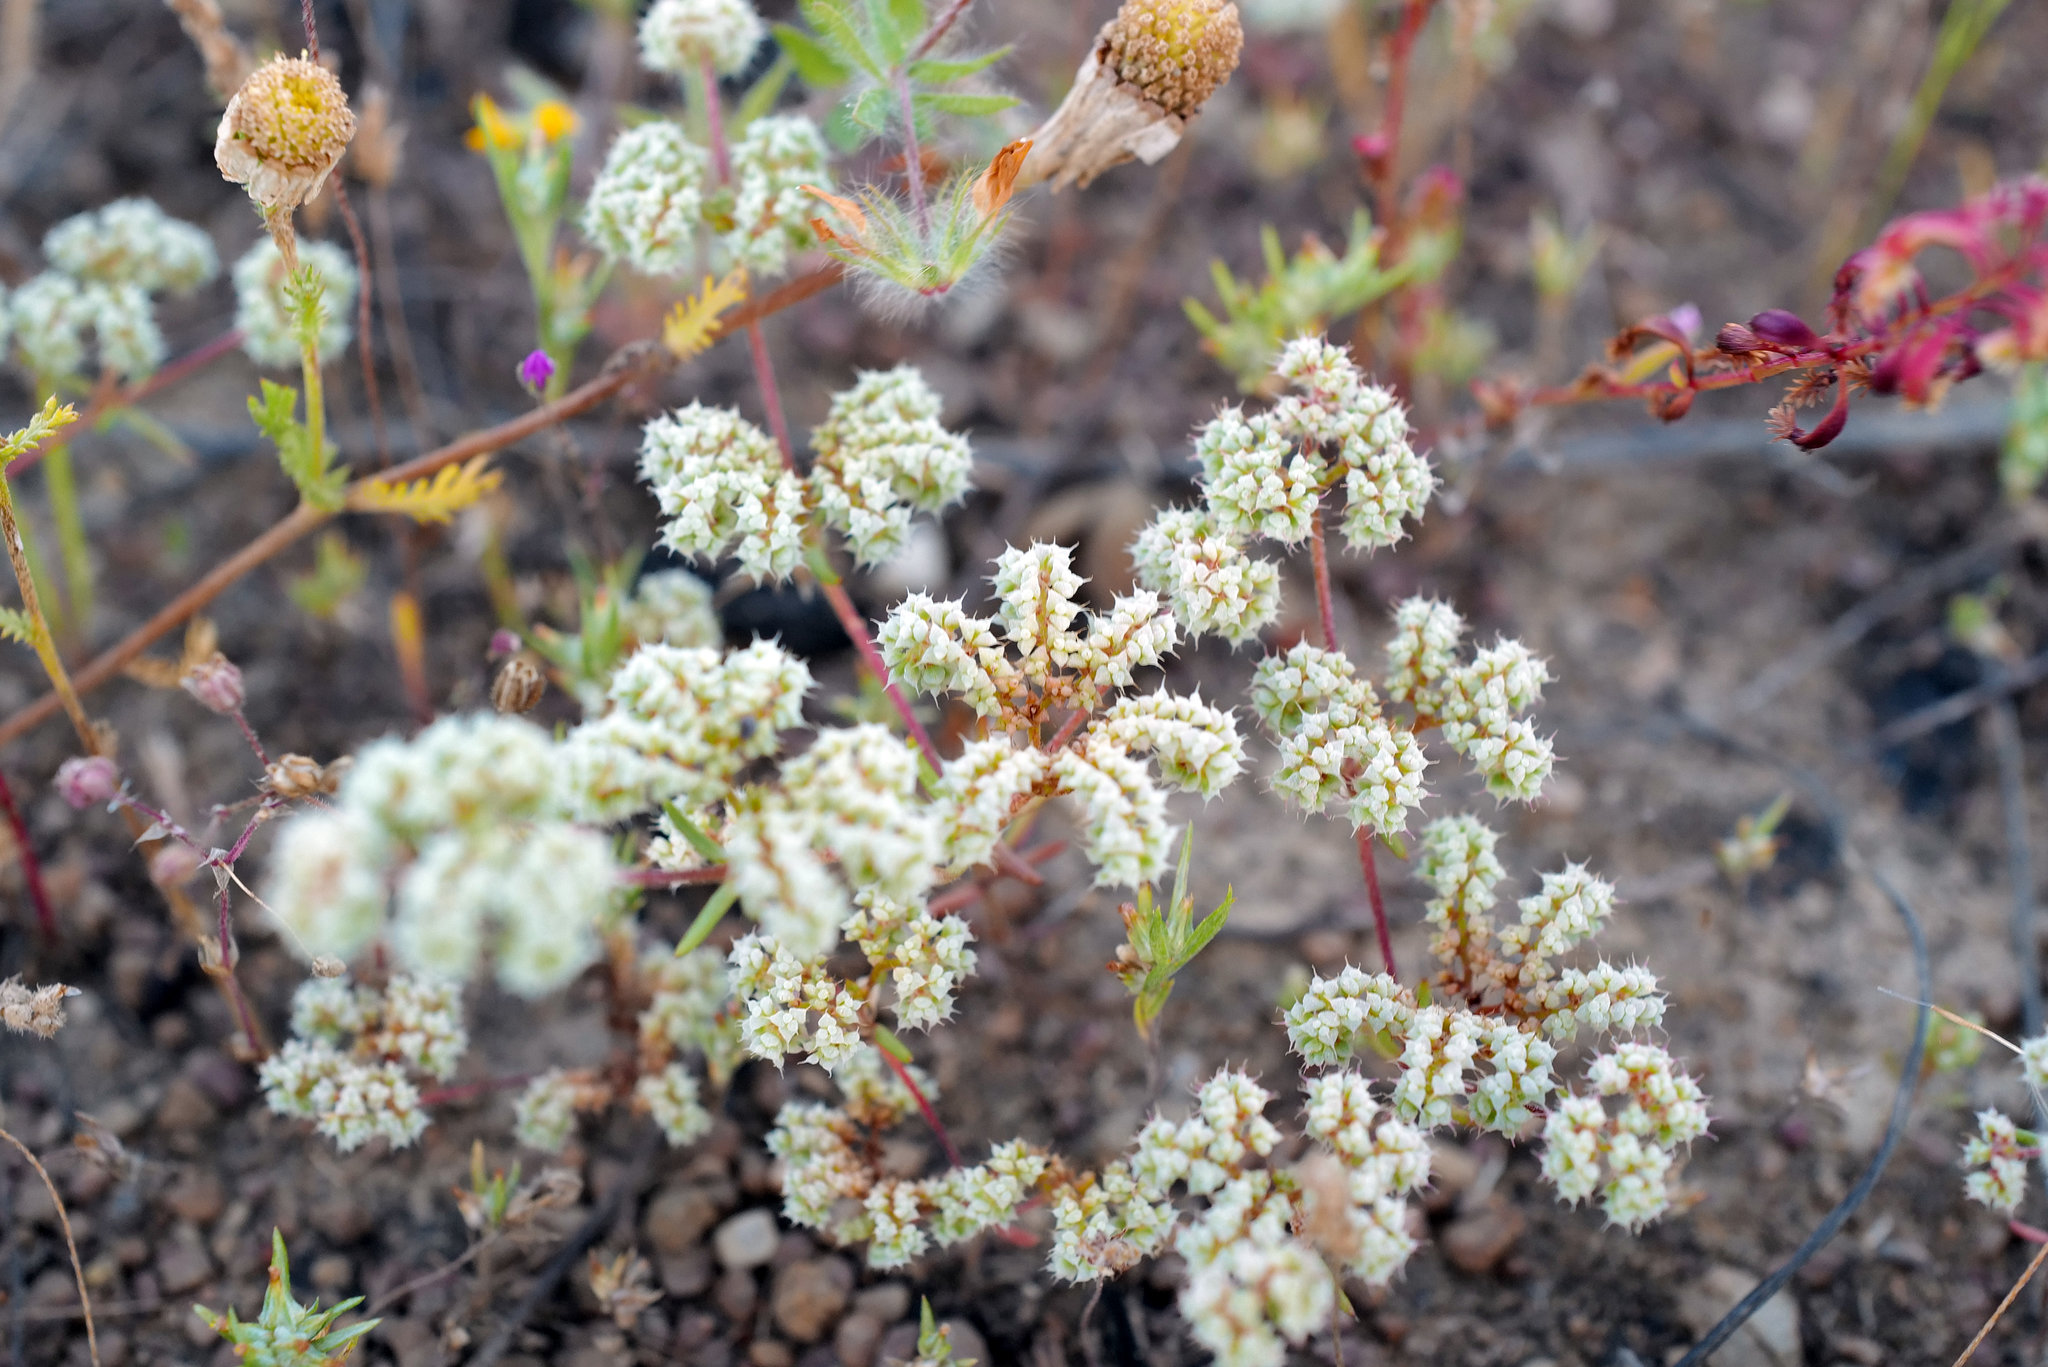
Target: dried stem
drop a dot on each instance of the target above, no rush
(92, 1337)
(2004, 1305)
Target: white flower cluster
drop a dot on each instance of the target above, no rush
(680, 36)
(358, 1089)
(685, 1012)
(1459, 863)
(1265, 474)
(1252, 1287)
(466, 821)
(1665, 1110)
(722, 486)
(648, 199)
(673, 608)
(777, 156)
(671, 1097)
(265, 319)
(1998, 1154)
(1334, 744)
(1060, 660)
(1330, 1020)
(925, 956)
(683, 721)
(103, 267)
(1384, 1159)
(544, 1114)
(1477, 703)
(881, 456)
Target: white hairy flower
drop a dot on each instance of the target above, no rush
(1215, 588)
(671, 1097)
(1328, 390)
(1324, 1024)
(1568, 911)
(858, 784)
(1305, 680)
(894, 1210)
(1572, 1143)
(124, 329)
(1521, 1078)
(815, 1145)
(328, 1008)
(1424, 648)
(935, 647)
(688, 993)
(545, 1112)
(773, 161)
(925, 956)
(648, 199)
(1256, 482)
(721, 485)
(679, 36)
(265, 320)
(2000, 1150)
(1380, 764)
(1459, 863)
(1036, 602)
(1134, 634)
(1664, 1105)
(1196, 746)
(976, 795)
(49, 317)
(132, 242)
(351, 1102)
(475, 771)
(1636, 1192)
(1440, 1046)
(782, 882)
(326, 881)
(2034, 1060)
(1126, 836)
(673, 607)
(882, 456)
(1386, 481)
(416, 1024)
(966, 1201)
(1624, 1000)
(1240, 1305)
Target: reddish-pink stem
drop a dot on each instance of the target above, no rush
(771, 393)
(674, 878)
(913, 156)
(856, 629)
(249, 734)
(31, 867)
(464, 1091)
(1368, 865)
(1066, 731)
(714, 119)
(1319, 555)
(931, 1117)
(1399, 51)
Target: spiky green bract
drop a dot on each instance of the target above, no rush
(285, 1333)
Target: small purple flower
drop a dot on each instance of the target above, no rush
(536, 370)
(85, 781)
(504, 641)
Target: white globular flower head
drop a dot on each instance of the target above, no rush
(350, 1101)
(1423, 649)
(859, 785)
(326, 881)
(1326, 1022)
(1569, 910)
(1441, 1045)
(679, 36)
(265, 320)
(2034, 1060)
(1998, 1154)
(783, 883)
(1126, 835)
(544, 1114)
(721, 485)
(1458, 862)
(1521, 1078)
(1216, 588)
(976, 797)
(132, 242)
(926, 956)
(49, 316)
(124, 328)
(1256, 481)
(1036, 603)
(673, 607)
(935, 647)
(1196, 746)
(1134, 634)
(777, 156)
(671, 1097)
(1601, 999)
(648, 199)
(882, 455)
(1306, 680)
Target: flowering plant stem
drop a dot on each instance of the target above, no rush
(888, 1046)
(73, 549)
(31, 866)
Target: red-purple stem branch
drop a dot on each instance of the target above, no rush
(856, 628)
(1400, 49)
(31, 867)
(249, 734)
(913, 155)
(674, 878)
(931, 1117)
(1368, 864)
(465, 1091)
(940, 27)
(714, 122)
(1319, 556)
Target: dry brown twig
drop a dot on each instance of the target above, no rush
(92, 1336)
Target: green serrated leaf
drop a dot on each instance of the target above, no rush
(819, 66)
(275, 416)
(892, 37)
(834, 21)
(941, 70)
(16, 626)
(869, 112)
(963, 105)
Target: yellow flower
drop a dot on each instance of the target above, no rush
(554, 120)
(493, 131)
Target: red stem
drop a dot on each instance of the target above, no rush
(856, 629)
(1319, 554)
(163, 376)
(931, 1117)
(249, 734)
(31, 867)
(1368, 864)
(938, 30)
(913, 156)
(1400, 49)
(464, 1091)
(714, 121)
(674, 878)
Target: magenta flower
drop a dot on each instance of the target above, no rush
(536, 370)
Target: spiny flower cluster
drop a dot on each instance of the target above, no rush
(354, 1052)
(769, 209)
(265, 320)
(792, 1004)
(1998, 1155)
(1061, 664)
(1335, 746)
(104, 266)
(882, 455)
(1477, 703)
(544, 1114)
(723, 488)
(1632, 1150)
(33, 1010)
(467, 824)
(1265, 474)
(672, 607)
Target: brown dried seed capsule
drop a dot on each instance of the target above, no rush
(296, 776)
(1176, 51)
(283, 132)
(519, 685)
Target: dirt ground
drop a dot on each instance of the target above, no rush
(1711, 140)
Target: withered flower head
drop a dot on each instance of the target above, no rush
(284, 131)
(1176, 51)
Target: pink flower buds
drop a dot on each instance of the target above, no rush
(216, 683)
(1784, 330)
(87, 780)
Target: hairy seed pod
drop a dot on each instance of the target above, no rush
(296, 776)
(518, 687)
(216, 683)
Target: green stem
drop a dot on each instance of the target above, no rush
(40, 638)
(72, 546)
(316, 407)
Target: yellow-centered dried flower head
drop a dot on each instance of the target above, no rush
(1176, 51)
(284, 131)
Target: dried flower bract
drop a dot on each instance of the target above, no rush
(283, 132)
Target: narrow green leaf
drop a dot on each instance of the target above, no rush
(692, 832)
(814, 61)
(708, 919)
(940, 70)
(762, 94)
(909, 16)
(1211, 925)
(886, 1041)
(892, 37)
(963, 105)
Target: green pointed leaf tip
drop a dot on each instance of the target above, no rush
(963, 105)
(940, 71)
(819, 66)
(708, 918)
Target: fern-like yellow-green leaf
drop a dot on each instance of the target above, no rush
(446, 493)
(693, 324)
(15, 626)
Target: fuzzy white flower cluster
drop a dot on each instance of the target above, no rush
(648, 199)
(1252, 1287)
(1664, 1110)
(682, 722)
(723, 488)
(926, 957)
(354, 1051)
(777, 156)
(1998, 1154)
(1334, 744)
(671, 1097)
(682, 36)
(265, 319)
(882, 456)
(673, 608)
(466, 822)
(685, 1012)
(104, 266)
(1330, 1020)
(1384, 1159)
(1265, 474)
(1477, 703)
(1060, 660)
(544, 1113)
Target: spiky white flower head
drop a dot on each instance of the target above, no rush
(722, 486)
(350, 1102)
(1257, 482)
(1386, 1158)
(882, 456)
(414, 1023)
(328, 1008)
(1441, 1045)
(976, 797)
(792, 1006)
(893, 1211)
(1459, 863)
(1606, 998)
(1572, 1140)
(262, 316)
(925, 956)
(1103, 1229)
(1134, 634)
(1569, 910)
(545, 1112)
(1636, 1192)
(1665, 1109)
(1382, 765)
(1665, 1105)
(1196, 746)
(1327, 386)
(773, 161)
(858, 784)
(132, 242)
(1324, 1024)
(1477, 704)
(1036, 602)
(2000, 1151)
(1243, 1305)
(967, 1201)
(123, 323)
(1384, 1243)
(682, 1012)
(678, 36)
(671, 1097)
(648, 199)
(1126, 835)
(673, 607)
(820, 1168)
(1215, 588)
(935, 647)
(326, 881)
(2034, 1060)
(1307, 679)
(1424, 648)
(782, 882)
(1521, 1078)
(50, 316)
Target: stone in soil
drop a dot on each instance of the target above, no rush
(183, 1267)
(748, 1239)
(1476, 1242)
(1769, 1339)
(886, 1301)
(679, 1216)
(736, 1295)
(197, 1195)
(856, 1339)
(809, 1295)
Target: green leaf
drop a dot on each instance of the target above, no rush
(275, 416)
(814, 61)
(692, 832)
(892, 37)
(1211, 925)
(886, 1041)
(708, 919)
(16, 626)
(762, 94)
(869, 112)
(834, 21)
(910, 16)
(963, 105)
(939, 71)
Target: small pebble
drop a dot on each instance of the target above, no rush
(679, 1216)
(1475, 1243)
(886, 1301)
(736, 1295)
(808, 1297)
(770, 1353)
(856, 1339)
(748, 1239)
(197, 1195)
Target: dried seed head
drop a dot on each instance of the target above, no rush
(327, 966)
(33, 1010)
(519, 685)
(216, 682)
(86, 780)
(283, 132)
(1176, 51)
(297, 776)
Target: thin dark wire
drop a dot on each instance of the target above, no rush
(1823, 797)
